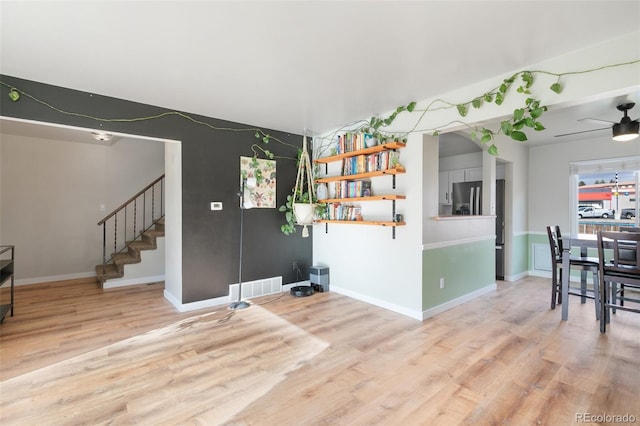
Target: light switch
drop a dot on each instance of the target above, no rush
(216, 205)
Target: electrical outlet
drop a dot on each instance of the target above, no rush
(441, 282)
(295, 266)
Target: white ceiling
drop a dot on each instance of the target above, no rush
(296, 65)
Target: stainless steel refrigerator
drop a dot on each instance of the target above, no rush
(467, 198)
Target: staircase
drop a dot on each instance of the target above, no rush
(131, 228)
(115, 268)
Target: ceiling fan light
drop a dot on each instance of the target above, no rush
(102, 137)
(626, 130)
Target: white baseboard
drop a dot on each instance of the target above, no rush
(39, 280)
(249, 291)
(377, 302)
(192, 306)
(458, 301)
(133, 281)
(512, 278)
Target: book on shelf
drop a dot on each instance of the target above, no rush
(349, 142)
(352, 188)
(370, 163)
(339, 211)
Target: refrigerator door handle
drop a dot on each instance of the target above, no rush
(471, 201)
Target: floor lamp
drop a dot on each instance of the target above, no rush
(244, 205)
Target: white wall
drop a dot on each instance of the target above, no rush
(388, 271)
(51, 197)
(173, 223)
(549, 186)
(364, 261)
(462, 161)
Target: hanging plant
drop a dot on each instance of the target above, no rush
(301, 205)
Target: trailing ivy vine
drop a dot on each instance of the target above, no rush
(519, 122)
(527, 117)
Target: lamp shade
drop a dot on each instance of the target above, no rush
(626, 130)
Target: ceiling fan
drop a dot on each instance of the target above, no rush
(623, 131)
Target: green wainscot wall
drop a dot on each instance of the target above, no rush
(520, 258)
(465, 268)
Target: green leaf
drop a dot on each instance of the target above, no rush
(499, 98)
(289, 216)
(411, 106)
(518, 114)
(520, 89)
(527, 77)
(477, 102)
(14, 95)
(486, 138)
(538, 126)
(506, 127)
(502, 88)
(529, 122)
(462, 109)
(436, 133)
(257, 135)
(518, 136)
(488, 97)
(399, 109)
(537, 112)
(493, 150)
(517, 125)
(556, 87)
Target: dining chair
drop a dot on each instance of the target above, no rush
(581, 263)
(617, 267)
(624, 254)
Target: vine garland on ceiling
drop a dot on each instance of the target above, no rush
(515, 127)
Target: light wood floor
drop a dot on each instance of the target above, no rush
(75, 354)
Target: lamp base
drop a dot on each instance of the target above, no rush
(239, 305)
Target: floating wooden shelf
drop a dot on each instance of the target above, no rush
(389, 146)
(363, 222)
(395, 171)
(369, 198)
(378, 148)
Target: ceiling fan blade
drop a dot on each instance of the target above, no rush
(595, 120)
(583, 131)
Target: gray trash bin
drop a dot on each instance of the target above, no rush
(319, 277)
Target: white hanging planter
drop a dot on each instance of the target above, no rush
(304, 213)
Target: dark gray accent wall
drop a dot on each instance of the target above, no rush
(210, 172)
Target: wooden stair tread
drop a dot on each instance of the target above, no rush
(110, 271)
(141, 245)
(125, 258)
(132, 255)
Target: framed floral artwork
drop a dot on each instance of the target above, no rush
(263, 195)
